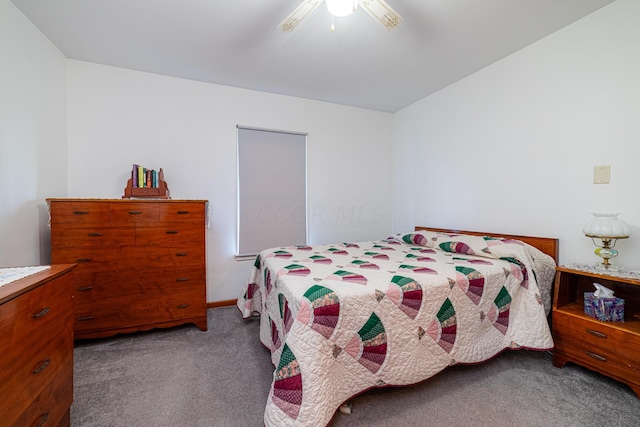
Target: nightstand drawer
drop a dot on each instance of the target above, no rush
(599, 336)
(594, 358)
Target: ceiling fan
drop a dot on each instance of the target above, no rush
(378, 9)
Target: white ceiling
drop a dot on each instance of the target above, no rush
(237, 43)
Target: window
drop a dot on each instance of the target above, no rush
(272, 190)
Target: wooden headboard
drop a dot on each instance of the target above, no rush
(545, 244)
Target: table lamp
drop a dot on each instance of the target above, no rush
(606, 228)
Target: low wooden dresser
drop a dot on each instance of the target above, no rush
(141, 263)
(36, 361)
(611, 348)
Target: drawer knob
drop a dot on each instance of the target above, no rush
(42, 420)
(183, 306)
(135, 212)
(84, 288)
(95, 234)
(596, 333)
(181, 254)
(42, 367)
(596, 356)
(80, 213)
(183, 212)
(182, 279)
(84, 318)
(41, 313)
(81, 260)
(171, 232)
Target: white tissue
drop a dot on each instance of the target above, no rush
(602, 291)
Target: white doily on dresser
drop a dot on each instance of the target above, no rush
(11, 274)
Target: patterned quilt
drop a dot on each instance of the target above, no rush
(343, 318)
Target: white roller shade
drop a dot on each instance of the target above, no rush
(272, 189)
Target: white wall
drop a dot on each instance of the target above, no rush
(512, 148)
(118, 117)
(33, 137)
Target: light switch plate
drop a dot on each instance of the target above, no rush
(601, 174)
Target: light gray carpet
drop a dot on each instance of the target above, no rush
(185, 377)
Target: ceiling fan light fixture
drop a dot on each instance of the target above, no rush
(341, 8)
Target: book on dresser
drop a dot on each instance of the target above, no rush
(146, 183)
(141, 263)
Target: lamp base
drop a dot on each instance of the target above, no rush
(606, 253)
(600, 266)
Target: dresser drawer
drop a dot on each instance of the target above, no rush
(91, 260)
(115, 288)
(169, 232)
(44, 356)
(134, 212)
(598, 336)
(194, 212)
(52, 405)
(92, 235)
(149, 304)
(162, 255)
(93, 263)
(78, 212)
(117, 292)
(38, 313)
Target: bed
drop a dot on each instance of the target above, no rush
(343, 318)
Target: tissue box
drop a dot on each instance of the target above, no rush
(604, 309)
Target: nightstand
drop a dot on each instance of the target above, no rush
(611, 348)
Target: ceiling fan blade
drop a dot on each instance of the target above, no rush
(301, 12)
(382, 12)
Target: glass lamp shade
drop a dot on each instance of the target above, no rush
(341, 8)
(608, 228)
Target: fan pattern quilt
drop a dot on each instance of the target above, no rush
(343, 318)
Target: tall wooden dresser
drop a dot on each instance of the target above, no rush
(141, 263)
(36, 361)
